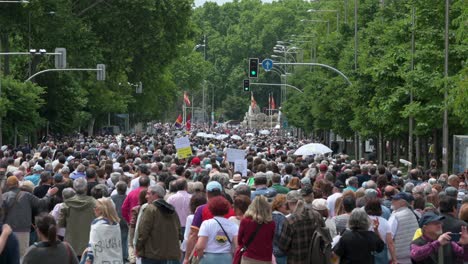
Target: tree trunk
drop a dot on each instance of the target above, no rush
(390, 150)
(435, 142)
(418, 150)
(356, 146)
(397, 145)
(91, 126)
(425, 152)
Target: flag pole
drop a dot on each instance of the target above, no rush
(271, 110)
(192, 109)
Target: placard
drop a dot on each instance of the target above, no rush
(235, 154)
(241, 166)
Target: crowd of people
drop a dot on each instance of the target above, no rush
(131, 199)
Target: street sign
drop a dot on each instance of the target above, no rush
(267, 64)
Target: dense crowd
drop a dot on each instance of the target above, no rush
(131, 199)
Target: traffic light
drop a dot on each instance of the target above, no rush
(253, 68)
(246, 85)
(61, 58)
(101, 72)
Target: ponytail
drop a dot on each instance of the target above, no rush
(45, 224)
(52, 233)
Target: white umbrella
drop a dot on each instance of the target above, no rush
(210, 136)
(313, 148)
(264, 132)
(201, 134)
(250, 134)
(236, 137)
(221, 136)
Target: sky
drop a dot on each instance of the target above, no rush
(220, 2)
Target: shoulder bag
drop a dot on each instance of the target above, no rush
(240, 251)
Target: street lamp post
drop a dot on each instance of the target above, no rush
(446, 65)
(204, 82)
(318, 21)
(328, 10)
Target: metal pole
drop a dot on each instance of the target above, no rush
(411, 120)
(1, 131)
(357, 144)
(445, 130)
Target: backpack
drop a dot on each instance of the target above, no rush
(320, 249)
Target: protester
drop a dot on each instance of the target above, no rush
(76, 216)
(280, 210)
(403, 224)
(257, 223)
(217, 237)
(118, 200)
(158, 231)
(434, 246)
(49, 249)
(357, 244)
(104, 238)
(18, 208)
(9, 246)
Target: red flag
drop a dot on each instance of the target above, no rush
(253, 103)
(188, 123)
(178, 122)
(272, 103)
(186, 99)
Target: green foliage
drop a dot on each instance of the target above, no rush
(19, 106)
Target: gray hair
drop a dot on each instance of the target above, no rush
(48, 167)
(121, 187)
(408, 187)
(157, 189)
(80, 185)
(68, 193)
(371, 184)
(359, 220)
(222, 178)
(65, 170)
(114, 176)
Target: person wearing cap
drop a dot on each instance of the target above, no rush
(18, 207)
(213, 189)
(434, 246)
(403, 224)
(296, 235)
(320, 205)
(323, 168)
(36, 176)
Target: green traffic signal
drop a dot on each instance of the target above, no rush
(254, 73)
(246, 85)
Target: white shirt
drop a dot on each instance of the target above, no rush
(189, 221)
(331, 201)
(393, 223)
(135, 184)
(384, 227)
(217, 241)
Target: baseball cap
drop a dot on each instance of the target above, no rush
(319, 204)
(306, 190)
(404, 196)
(38, 167)
(213, 185)
(429, 217)
(293, 196)
(323, 167)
